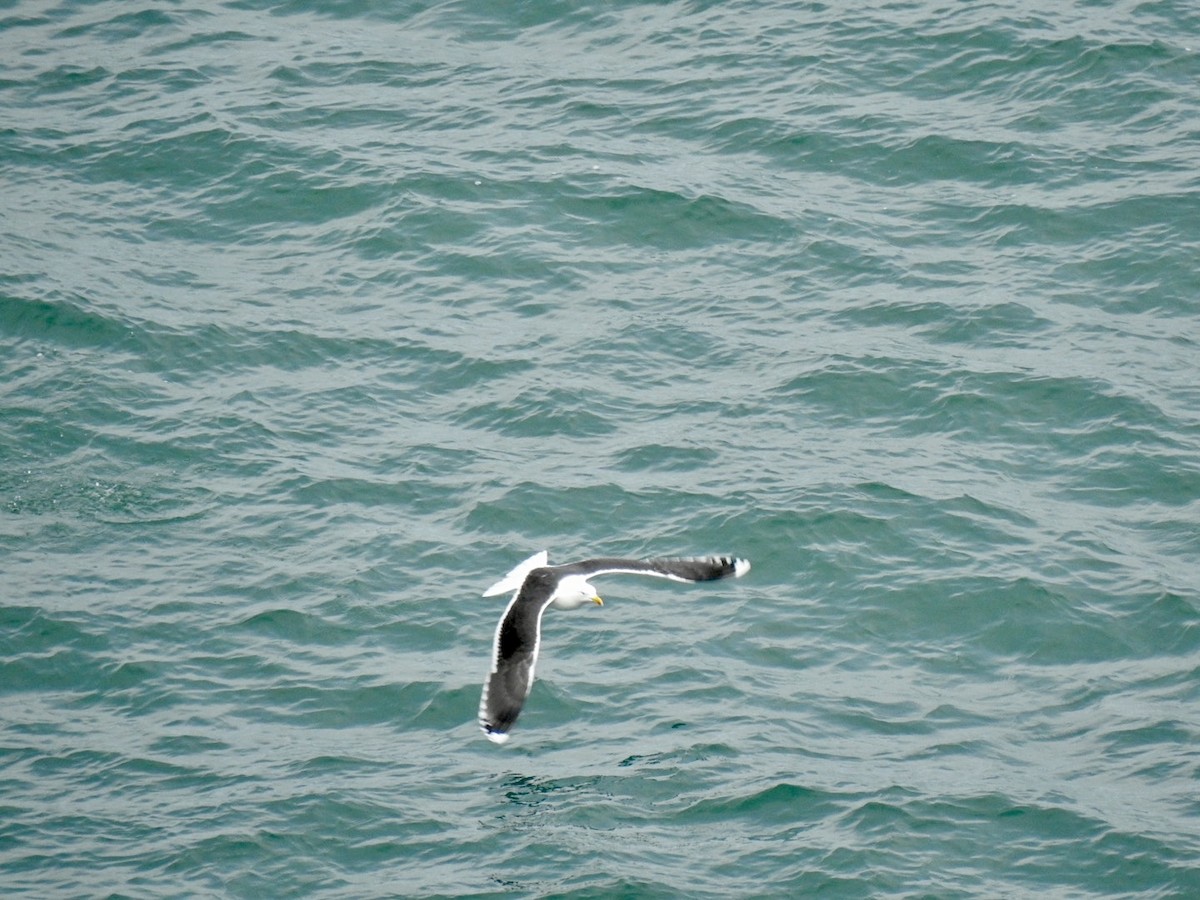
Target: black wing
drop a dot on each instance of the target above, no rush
(514, 655)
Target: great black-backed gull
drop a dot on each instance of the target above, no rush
(536, 586)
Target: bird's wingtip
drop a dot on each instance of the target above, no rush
(512, 581)
(740, 567)
(496, 737)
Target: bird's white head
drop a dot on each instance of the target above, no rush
(574, 592)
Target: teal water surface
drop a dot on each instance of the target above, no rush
(317, 317)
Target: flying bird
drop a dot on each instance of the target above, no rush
(536, 586)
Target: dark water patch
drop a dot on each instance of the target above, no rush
(69, 323)
(1051, 230)
(416, 496)
(13, 22)
(1002, 324)
(780, 804)
(536, 792)
(44, 500)
(656, 349)
(409, 74)
(541, 514)
(183, 746)
(367, 10)
(101, 159)
(46, 650)
(308, 704)
(1163, 743)
(857, 715)
(124, 26)
(541, 414)
(648, 217)
(283, 194)
(1031, 835)
(1010, 618)
(666, 458)
(68, 79)
(294, 626)
(448, 709)
(1014, 410)
(192, 40)
(1119, 476)
(179, 352)
(672, 759)
(932, 158)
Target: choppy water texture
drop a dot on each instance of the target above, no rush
(317, 317)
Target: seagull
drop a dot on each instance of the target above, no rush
(536, 586)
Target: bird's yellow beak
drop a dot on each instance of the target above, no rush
(597, 601)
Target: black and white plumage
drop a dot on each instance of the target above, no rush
(536, 586)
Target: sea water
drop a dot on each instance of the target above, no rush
(317, 316)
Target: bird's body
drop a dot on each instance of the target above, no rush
(538, 586)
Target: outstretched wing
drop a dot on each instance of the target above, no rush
(680, 568)
(514, 655)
